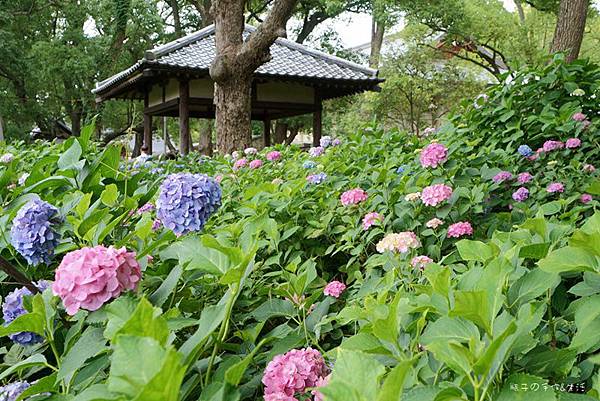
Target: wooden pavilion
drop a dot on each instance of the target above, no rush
(173, 80)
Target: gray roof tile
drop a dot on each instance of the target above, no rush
(289, 59)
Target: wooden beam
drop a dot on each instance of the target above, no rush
(317, 121)
(267, 130)
(147, 124)
(184, 117)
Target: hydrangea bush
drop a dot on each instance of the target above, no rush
(431, 269)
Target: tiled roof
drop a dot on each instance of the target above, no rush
(289, 59)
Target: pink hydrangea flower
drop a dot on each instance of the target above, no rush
(273, 156)
(433, 155)
(573, 143)
(254, 164)
(589, 168)
(420, 261)
(89, 277)
(371, 219)
(555, 187)
(334, 289)
(579, 117)
(502, 176)
(435, 194)
(524, 178)
(321, 383)
(459, 229)
(218, 178)
(293, 372)
(400, 242)
(586, 198)
(243, 162)
(434, 223)
(353, 196)
(279, 397)
(156, 224)
(552, 145)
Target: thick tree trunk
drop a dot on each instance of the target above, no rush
(137, 146)
(377, 33)
(233, 115)
(235, 62)
(570, 26)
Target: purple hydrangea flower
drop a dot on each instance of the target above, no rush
(325, 141)
(316, 178)
(32, 232)
(12, 391)
(148, 207)
(502, 176)
(13, 307)
(525, 151)
(186, 201)
(521, 194)
(317, 151)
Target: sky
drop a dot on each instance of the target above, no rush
(355, 29)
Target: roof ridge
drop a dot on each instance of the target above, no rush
(177, 44)
(317, 53)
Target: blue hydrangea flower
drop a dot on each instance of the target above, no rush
(157, 170)
(13, 307)
(186, 201)
(525, 151)
(325, 141)
(402, 169)
(309, 164)
(316, 178)
(32, 232)
(12, 391)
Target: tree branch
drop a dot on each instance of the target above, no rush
(17, 275)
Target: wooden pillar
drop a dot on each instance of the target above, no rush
(184, 117)
(147, 124)
(317, 121)
(267, 130)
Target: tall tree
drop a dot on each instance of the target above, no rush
(570, 26)
(235, 61)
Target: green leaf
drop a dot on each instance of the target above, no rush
(495, 355)
(70, 158)
(587, 320)
(142, 369)
(97, 392)
(534, 251)
(447, 329)
(355, 377)
(83, 205)
(167, 287)
(110, 195)
(531, 285)
(146, 321)
(210, 319)
(43, 385)
(569, 259)
(33, 360)
(473, 305)
(90, 344)
(394, 382)
(234, 374)
(475, 250)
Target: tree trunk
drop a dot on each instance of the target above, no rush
(137, 146)
(521, 12)
(233, 114)
(76, 122)
(293, 133)
(176, 18)
(206, 144)
(1, 129)
(235, 62)
(377, 32)
(570, 26)
(280, 132)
